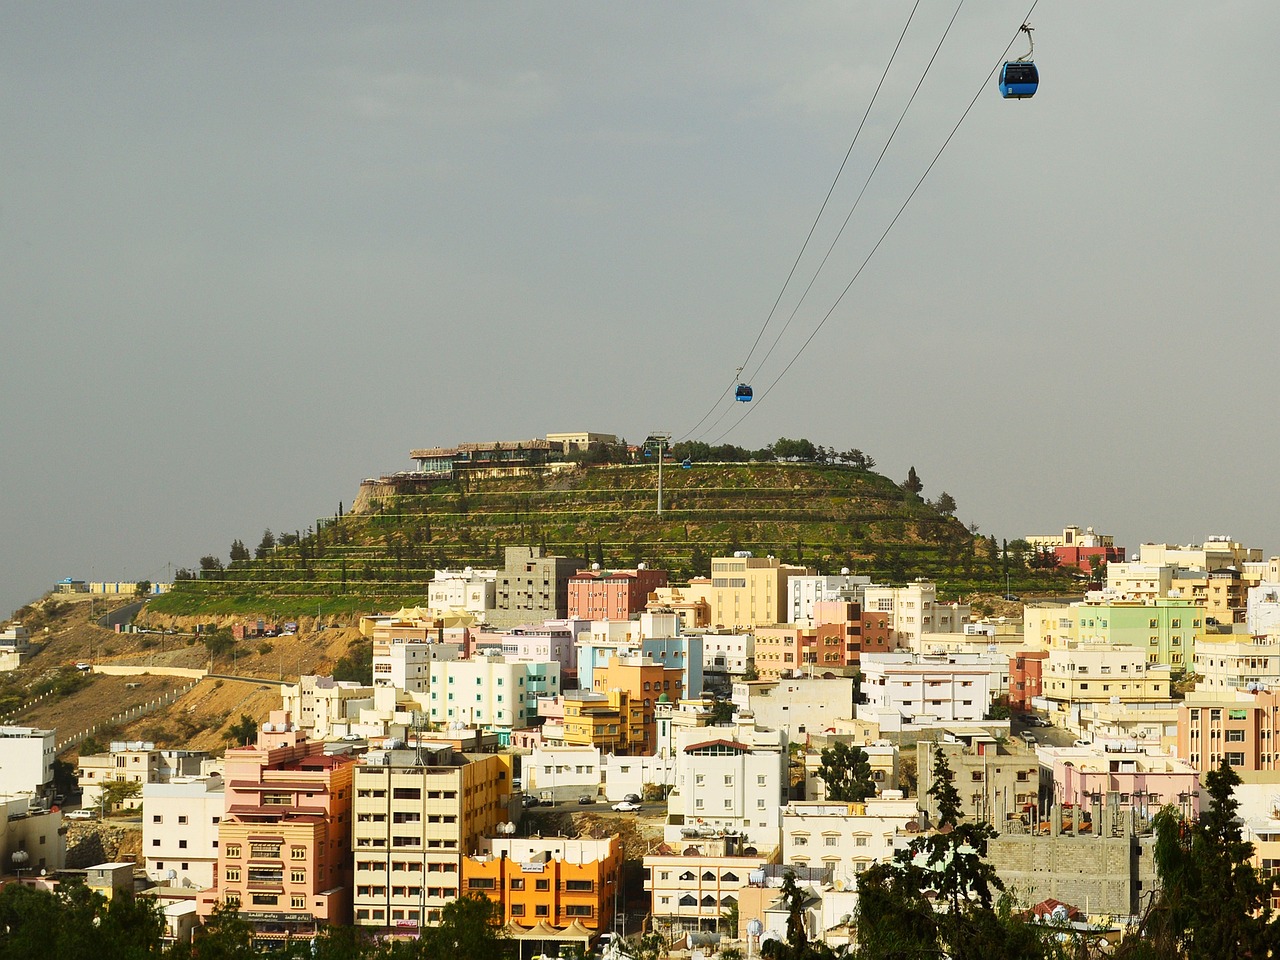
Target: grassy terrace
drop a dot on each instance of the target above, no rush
(823, 516)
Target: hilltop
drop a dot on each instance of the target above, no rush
(382, 552)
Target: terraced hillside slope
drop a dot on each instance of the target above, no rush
(401, 529)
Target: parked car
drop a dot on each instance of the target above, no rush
(626, 806)
(632, 798)
(1082, 743)
(1027, 736)
(81, 815)
(528, 800)
(585, 799)
(547, 802)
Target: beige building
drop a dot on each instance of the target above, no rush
(321, 703)
(915, 611)
(416, 816)
(995, 780)
(1214, 554)
(1237, 662)
(1079, 673)
(749, 591)
(134, 761)
(847, 838)
(180, 830)
(695, 881)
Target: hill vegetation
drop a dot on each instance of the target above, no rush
(802, 503)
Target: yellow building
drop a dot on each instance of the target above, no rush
(750, 591)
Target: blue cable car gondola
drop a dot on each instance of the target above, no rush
(687, 464)
(1020, 78)
(743, 393)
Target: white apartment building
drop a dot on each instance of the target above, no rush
(1262, 615)
(485, 692)
(727, 652)
(903, 690)
(804, 591)
(914, 610)
(563, 773)
(318, 704)
(1138, 581)
(406, 664)
(26, 759)
(796, 705)
(730, 777)
(134, 761)
(472, 591)
(180, 830)
(845, 837)
(624, 775)
(1237, 662)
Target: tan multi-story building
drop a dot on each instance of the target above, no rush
(1241, 728)
(750, 591)
(1102, 673)
(284, 841)
(995, 780)
(557, 881)
(416, 815)
(693, 889)
(133, 761)
(318, 704)
(1214, 554)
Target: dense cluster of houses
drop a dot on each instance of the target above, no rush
(707, 705)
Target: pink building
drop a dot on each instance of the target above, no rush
(1144, 781)
(612, 594)
(285, 838)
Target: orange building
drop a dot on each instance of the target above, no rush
(643, 680)
(284, 841)
(553, 880)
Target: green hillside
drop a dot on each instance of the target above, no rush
(383, 551)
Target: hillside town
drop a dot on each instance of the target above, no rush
(604, 754)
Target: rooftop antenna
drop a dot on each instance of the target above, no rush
(419, 725)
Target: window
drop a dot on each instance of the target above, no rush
(297, 876)
(233, 851)
(517, 883)
(542, 885)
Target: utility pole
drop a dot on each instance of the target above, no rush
(662, 441)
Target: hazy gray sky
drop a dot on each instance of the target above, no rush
(253, 253)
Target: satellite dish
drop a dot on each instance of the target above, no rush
(642, 566)
(595, 566)
(754, 927)
(844, 571)
(1059, 913)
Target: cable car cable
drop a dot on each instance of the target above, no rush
(821, 210)
(827, 316)
(861, 193)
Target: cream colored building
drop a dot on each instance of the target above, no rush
(914, 610)
(321, 703)
(180, 830)
(415, 818)
(750, 591)
(1237, 662)
(1214, 554)
(472, 591)
(1139, 581)
(1100, 673)
(845, 837)
(695, 882)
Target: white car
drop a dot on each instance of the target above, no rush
(81, 815)
(626, 806)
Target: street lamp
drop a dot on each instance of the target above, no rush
(20, 859)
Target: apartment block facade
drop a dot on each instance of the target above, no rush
(416, 815)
